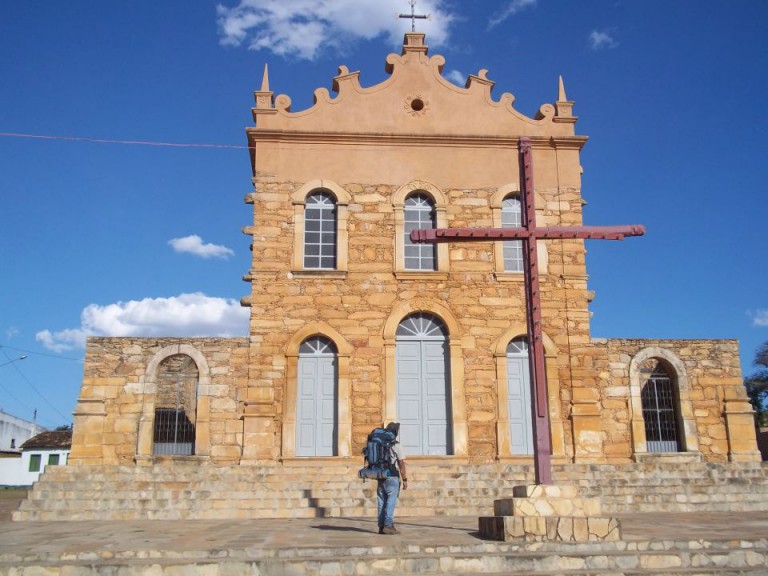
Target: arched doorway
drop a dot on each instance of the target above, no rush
(423, 385)
(317, 398)
(659, 399)
(519, 398)
(175, 406)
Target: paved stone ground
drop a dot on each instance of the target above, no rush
(156, 538)
(10, 498)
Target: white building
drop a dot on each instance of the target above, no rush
(15, 431)
(50, 448)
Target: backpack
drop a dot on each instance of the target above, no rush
(377, 454)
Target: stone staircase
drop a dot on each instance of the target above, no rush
(190, 489)
(658, 486)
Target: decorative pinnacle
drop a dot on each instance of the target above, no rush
(563, 106)
(265, 80)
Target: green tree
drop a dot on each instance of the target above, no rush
(757, 385)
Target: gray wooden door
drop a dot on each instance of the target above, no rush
(316, 402)
(519, 399)
(423, 386)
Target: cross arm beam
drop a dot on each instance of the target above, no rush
(442, 235)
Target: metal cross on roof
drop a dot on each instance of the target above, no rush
(529, 234)
(413, 16)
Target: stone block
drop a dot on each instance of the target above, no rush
(549, 529)
(545, 490)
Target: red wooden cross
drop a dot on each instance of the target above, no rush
(528, 233)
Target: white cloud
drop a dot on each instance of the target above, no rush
(63, 340)
(302, 28)
(11, 332)
(185, 315)
(456, 77)
(510, 9)
(601, 40)
(759, 317)
(194, 245)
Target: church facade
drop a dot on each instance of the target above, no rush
(353, 325)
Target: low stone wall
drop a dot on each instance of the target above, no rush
(597, 400)
(116, 402)
(708, 377)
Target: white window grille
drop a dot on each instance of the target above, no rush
(419, 214)
(421, 325)
(320, 232)
(512, 217)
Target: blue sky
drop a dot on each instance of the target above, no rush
(126, 239)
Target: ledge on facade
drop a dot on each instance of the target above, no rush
(508, 276)
(168, 459)
(526, 459)
(436, 460)
(298, 461)
(331, 274)
(419, 275)
(668, 457)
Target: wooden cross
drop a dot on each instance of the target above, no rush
(413, 16)
(528, 233)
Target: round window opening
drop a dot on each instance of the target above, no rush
(417, 104)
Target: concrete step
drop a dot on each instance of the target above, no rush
(588, 559)
(561, 562)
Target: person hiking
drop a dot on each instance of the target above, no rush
(389, 488)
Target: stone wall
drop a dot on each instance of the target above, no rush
(599, 423)
(115, 409)
(708, 377)
(360, 306)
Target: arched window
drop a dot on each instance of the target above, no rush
(508, 256)
(659, 399)
(176, 406)
(320, 236)
(317, 398)
(511, 217)
(320, 229)
(419, 214)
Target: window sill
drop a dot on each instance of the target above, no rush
(421, 275)
(509, 276)
(330, 274)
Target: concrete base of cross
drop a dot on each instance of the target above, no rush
(539, 513)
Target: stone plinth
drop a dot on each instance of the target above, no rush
(548, 513)
(740, 426)
(549, 528)
(546, 500)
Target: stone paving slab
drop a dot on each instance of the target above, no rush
(25, 542)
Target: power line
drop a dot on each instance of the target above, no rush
(126, 142)
(29, 382)
(2, 386)
(57, 356)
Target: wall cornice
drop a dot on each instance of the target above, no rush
(257, 135)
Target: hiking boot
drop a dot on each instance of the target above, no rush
(389, 530)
